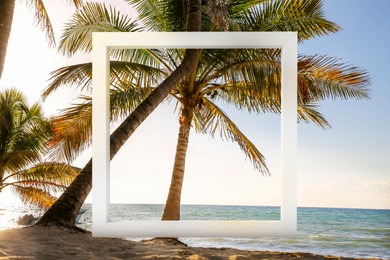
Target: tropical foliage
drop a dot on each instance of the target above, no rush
(24, 132)
(65, 210)
(245, 79)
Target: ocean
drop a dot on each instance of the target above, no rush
(360, 233)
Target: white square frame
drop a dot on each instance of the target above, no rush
(102, 43)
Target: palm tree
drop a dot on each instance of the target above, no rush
(41, 17)
(66, 208)
(239, 78)
(24, 132)
(248, 79)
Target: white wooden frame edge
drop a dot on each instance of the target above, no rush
(102, 42)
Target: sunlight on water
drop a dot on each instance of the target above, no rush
(359, 233)
(10, 214)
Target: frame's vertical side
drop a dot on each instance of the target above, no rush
(289, 133)
(100, 135)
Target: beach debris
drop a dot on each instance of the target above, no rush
(26, 219)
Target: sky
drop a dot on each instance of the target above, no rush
(346, 166)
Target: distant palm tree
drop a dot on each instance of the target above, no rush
(41, 17)
(24, 132)
(247, 79)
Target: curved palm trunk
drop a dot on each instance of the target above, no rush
(6, 16)
(172, 205)
(65, 209)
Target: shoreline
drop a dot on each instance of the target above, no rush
(52, 242)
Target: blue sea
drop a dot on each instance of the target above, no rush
(360, 233)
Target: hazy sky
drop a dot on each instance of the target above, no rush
(347, 166)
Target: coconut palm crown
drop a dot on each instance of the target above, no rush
(247, 79)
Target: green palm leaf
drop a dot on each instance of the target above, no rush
(47, 177)
(237, 64)
(73, 127)
(250, 96)
(321, 77)
(256, 81)
(246, 79)
(34, 196)
(13, 161)
(95, 17)
(21, 127)
(238, 7)
(303, 16)
(209, 118)
(153, 13)
(43, 20)
(309, 112)
(24, 132)
(31, 130)
(92, 17)
(170, 15)
(59, 174)
(72, 131)
(122, 73)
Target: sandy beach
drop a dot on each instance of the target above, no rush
(51, 242)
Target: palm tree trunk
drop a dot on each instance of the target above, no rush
(6, 16)
(65, 209)
(172, 205)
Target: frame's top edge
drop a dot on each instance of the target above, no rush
(200, 222)
(194, 40)
(197, 33)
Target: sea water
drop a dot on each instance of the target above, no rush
(361, 233)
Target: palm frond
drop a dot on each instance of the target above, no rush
(254, 80)
(238, 64)
(247, 79)
(250, 96)
(34, 196)
(32, 130)
(238, 7)
(92, 17)
(96, 17)
(14, 161)
(209, 118)
(321, 77)
(80, 75)
(243, 96)
(24, 131)
(309, 112)
(72, 129)
(174, 13)
(12, 105)
(42, 19)
(150, 57)
(124, 99)
(150, 14)
(304, 16)
(171, 15)
(49, 176)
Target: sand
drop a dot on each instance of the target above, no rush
(52, 243)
